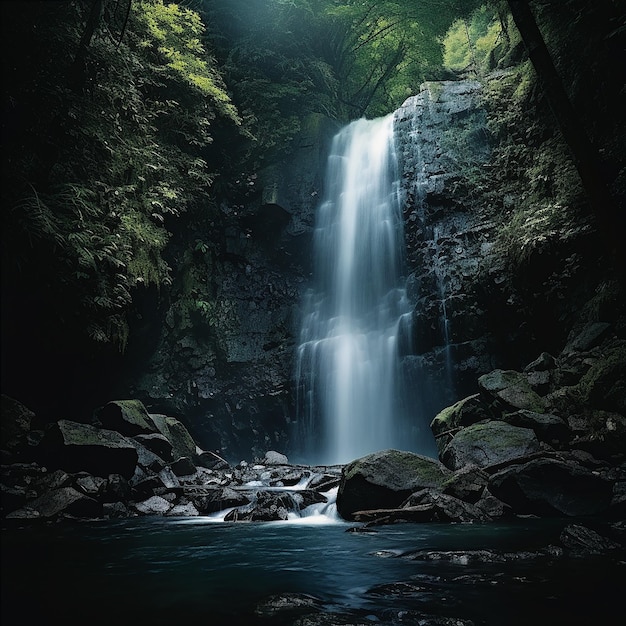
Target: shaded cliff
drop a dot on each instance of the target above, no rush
(223, 355)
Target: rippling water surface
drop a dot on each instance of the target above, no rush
(168, 571)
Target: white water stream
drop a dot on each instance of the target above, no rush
(349, 391)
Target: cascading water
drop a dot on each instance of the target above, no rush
(349, 389)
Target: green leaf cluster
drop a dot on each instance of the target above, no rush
(469, 43)
(531, 156)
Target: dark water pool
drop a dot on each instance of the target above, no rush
(174, 571)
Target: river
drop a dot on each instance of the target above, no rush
(171, 571)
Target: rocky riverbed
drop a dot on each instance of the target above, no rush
(546, 442)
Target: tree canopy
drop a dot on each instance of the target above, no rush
(111, 119)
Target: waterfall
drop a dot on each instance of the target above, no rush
(350, 398)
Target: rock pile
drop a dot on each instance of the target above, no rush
(548, 441)
(127, 463)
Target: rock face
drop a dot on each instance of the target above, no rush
(445, 239)
(221, 358)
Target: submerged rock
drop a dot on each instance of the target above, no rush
(331, 619)
(385, 479)
(287, 605)
(583, 541)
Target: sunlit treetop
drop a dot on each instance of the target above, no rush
(177, 32)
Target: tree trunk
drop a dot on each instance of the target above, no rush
(585, 156)
(93, 21)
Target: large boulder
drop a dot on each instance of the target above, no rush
(489, 443)
(465, 412)
(76, 447)
(176, 433)
(547, 427)
(511, 389)
(128, 417)
(383, 480)
(155, 505)
(275, 458)
(65, 501)
(552, 487)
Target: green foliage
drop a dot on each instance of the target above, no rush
(468, 43)
(539, 191)
(176, 32)
(104, 164)
(382, 51)
(286, 59)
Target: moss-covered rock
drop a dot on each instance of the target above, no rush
(383, 480)
(488, 444)
(77, 447)
(128, 417)
(175, 432)
(463, 413)
(511, 388)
